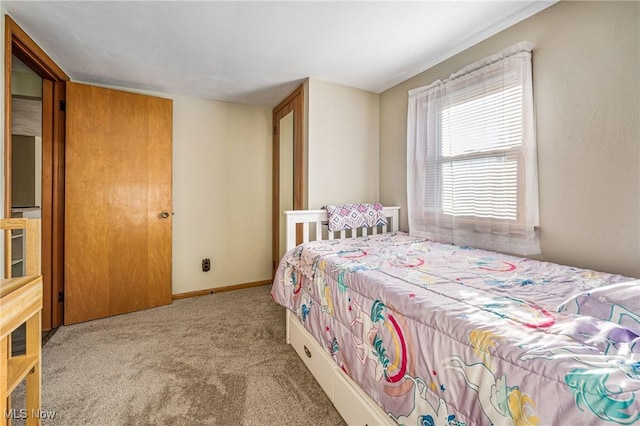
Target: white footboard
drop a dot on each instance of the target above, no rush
(352, 403)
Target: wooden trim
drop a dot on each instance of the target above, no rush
(18, 43)
(30, 53)
(191, 294)
(219, 289)
(47, 199)
(298, 91)
(57, 207)
(298, 162)
(241, 286)
(293, 102)
(14, 223)
(32, 257)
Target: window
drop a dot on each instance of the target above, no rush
(472, 172)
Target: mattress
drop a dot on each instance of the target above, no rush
(438, 334)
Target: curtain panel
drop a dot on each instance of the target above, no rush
(471, 156)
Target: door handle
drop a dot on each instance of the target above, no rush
(164, 214)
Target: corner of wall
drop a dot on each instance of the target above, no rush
(305, 143)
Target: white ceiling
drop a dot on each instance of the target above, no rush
(257, 52)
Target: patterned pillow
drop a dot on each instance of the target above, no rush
(352, 216)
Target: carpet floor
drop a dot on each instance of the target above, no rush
(219, 359)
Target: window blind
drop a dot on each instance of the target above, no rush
(472, 172)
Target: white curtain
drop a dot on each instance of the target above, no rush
(471, 156)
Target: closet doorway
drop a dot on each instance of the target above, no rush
(288, 165)
(45, 193)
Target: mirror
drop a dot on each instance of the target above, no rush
(286, 174)
(288, 165)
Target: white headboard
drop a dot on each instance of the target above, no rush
(319, 218)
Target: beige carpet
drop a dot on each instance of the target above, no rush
(212, 360)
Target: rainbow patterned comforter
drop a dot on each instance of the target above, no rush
(439, 334)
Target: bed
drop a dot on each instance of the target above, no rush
(403, 330)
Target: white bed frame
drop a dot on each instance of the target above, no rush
(351, 402)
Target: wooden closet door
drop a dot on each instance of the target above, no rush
(118, 202)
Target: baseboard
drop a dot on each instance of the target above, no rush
(219, 289)
(241, 286)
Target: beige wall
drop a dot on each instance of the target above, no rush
(342, 143)
(221, 193)
(586, 70)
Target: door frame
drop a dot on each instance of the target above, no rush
(294, 102)
(17, 42)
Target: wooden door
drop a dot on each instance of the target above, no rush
(118, 202)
